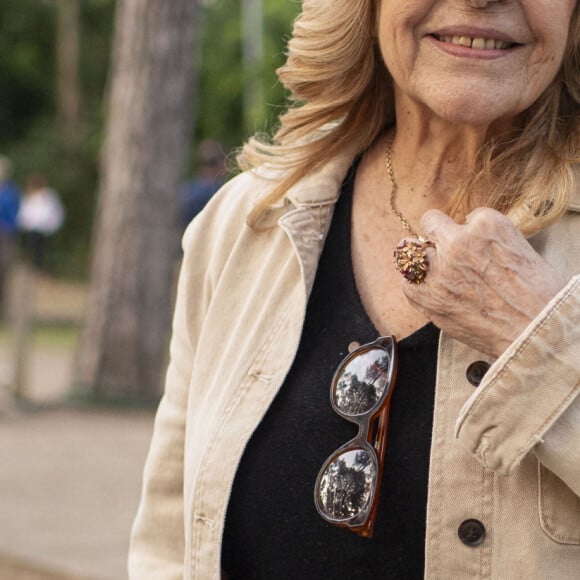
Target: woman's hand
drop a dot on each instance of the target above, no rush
(485, 282)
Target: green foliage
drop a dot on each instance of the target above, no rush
(220, 105)
(97, 36)
(63, 336)
(279, 16)
(27, 63)
(29, 133)
(219, 91)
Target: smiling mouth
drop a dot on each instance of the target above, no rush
(476, 42)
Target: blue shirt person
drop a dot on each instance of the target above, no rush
(9, 199)
(210, 176)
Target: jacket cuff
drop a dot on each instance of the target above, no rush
(527, 389)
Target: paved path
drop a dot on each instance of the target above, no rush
(70, 476)
(69, 486)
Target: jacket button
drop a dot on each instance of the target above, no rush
(476, 371)
(471, 532)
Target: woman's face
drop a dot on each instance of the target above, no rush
(473, 61)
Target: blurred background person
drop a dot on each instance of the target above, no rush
(40, 216)
(9, 204)
(210, 176)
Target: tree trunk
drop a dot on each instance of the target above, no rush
(68, 57)
(124, 343)
(199, 27)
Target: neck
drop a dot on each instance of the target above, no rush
(434, 155)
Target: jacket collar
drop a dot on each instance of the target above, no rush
(323, 186)
(318, 189)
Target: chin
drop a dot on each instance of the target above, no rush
(473, 110)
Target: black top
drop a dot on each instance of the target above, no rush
(272, 528)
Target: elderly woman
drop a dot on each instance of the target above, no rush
(423, 185)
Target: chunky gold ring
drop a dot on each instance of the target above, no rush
(411, 259)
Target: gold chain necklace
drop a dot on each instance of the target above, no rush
(395, 187)
(410, 256)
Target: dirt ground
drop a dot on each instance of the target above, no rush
(69, 488)
(49, 366)
(70, 475)
(59, 299)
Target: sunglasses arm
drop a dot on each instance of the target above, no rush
(380, 445)
(379, 440)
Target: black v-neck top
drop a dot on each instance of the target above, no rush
(272, 529)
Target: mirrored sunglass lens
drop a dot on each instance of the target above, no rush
(362, 382)
(346, 486)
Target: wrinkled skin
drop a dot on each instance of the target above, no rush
(485, 282)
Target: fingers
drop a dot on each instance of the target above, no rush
(434, 224)
(486, 214)
(458, 242)
(482, 222)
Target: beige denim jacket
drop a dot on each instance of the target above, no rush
(506, 453)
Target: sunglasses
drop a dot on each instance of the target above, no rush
(346, 492)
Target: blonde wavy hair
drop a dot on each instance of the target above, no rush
(341, 97)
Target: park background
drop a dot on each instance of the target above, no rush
(108, 99)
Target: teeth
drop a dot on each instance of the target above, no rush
(481, 43)
(462, 40)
